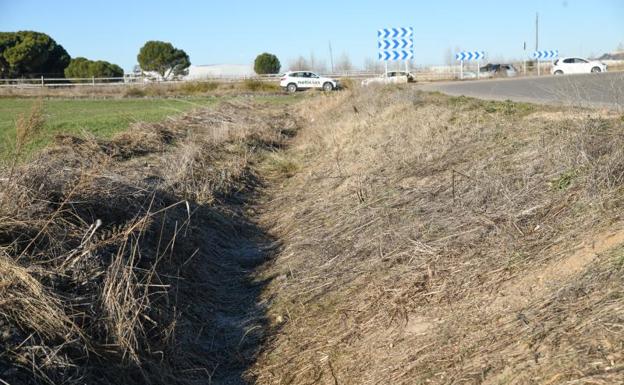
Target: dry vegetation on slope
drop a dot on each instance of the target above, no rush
(417, 239)
(440, 240)
(125, 261)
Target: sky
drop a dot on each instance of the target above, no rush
(234, 32)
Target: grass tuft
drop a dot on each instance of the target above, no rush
(258, 85)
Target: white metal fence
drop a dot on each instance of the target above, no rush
(43, 82)
(421, 74)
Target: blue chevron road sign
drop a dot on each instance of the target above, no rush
(395, 43)
(547, 54)
(469, 55)
(394, 33)
(395, 55)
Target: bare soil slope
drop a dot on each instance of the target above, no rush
(437, 240)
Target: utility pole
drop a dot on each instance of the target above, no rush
(524, 59)
(536, 31)
(537, 41)
(331, 57)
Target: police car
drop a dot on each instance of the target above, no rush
(298, 80)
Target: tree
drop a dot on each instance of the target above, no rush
(344, 63)
(316, 65)
(30, 54)
(104, 69)
(267, 63)
(299, 64)
(449, 57)
(373, 65)
(163, 58)
(81, 67)
(311, 64)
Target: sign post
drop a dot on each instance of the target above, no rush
(395, 44)
(469, 55)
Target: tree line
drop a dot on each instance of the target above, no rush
(28, 54)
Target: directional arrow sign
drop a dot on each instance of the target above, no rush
(395, 43)
(385, 55)
(546, 54)
(406, 55)
(469, 55)
(396, 55)
(395, 33)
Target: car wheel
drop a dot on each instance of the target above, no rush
(328, 86)
(292, 87)
(558, 72)
(596, 70)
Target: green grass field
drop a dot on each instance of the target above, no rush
(101, 117)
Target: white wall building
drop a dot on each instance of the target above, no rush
(199, 72)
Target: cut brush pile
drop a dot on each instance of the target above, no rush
(120, 259)
(436, 240)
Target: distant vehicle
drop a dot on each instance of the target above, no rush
(392, 77)
(577, 65)
(493, 70)
(467, 75)
(297, 80)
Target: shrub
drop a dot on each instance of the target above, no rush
(258, 85)
(134, 92)
(347, 83)
(198, 87)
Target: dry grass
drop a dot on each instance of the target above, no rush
(440, 240)
(116, 255)
(148, 90)
(28, 126)
(418, 239)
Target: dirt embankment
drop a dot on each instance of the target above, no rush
(126, 261)
(440, 240)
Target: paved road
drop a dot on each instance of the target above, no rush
(587, 90)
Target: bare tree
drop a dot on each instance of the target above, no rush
(312, 62)
(299, 64)
(344, 63)
(307, 64)
(620, 47)
(317, 65)
(373, 65)
(449, 57)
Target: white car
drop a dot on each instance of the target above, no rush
(576, 65)
(297, 80)
(393, 77)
